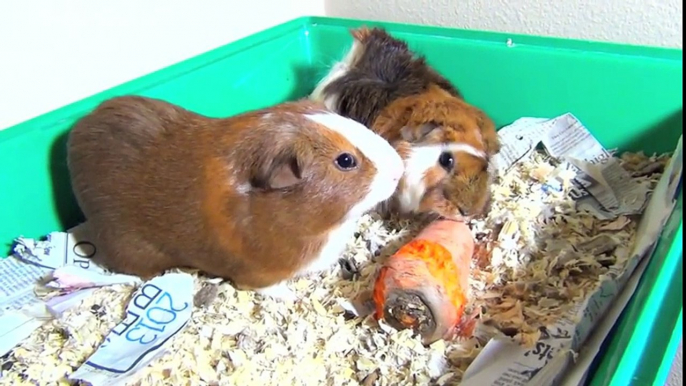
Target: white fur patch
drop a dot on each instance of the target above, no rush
(464, 148)
(334, 246)
(330, 100)
(233, 181)
(338, 70)
(386, 160)
(279, 291)
(421, 160)
(243, 188)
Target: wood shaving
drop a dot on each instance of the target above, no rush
(206, 295)
(536, 257)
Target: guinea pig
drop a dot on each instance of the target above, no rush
(446, 143)
(258, 198)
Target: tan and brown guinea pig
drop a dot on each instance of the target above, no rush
(446, 143)
(258, 198)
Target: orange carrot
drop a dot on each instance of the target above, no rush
(424, 285)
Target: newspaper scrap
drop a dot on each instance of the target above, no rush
(59, 304)
(602, 186)
(17, 326)
(158, 311)
(72, 277)
(519, 140)
(64, 256)
(504, 362)
(657, 212)
(579, 370)
(655, 217)
(18, 304)
(60, 249)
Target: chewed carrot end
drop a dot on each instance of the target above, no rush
(421, 288)
(441, 266)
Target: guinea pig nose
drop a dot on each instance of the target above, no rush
(464, 212)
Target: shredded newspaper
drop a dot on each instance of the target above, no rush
(558, 229)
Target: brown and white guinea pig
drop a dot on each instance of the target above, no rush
(258, 198)
(446, 143)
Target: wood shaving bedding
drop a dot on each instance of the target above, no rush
(536, 257)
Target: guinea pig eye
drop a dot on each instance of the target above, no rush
(447, 161)
(346, 161)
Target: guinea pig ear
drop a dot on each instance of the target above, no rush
(278, 171)
(360, 34)
(417, 133)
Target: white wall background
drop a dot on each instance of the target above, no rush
(647, 22)
(54, 52)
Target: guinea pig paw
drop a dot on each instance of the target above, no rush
(279, 291)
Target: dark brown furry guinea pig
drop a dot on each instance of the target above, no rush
(258, 198)
(446, 143)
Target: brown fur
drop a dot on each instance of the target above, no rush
(400, 97)
(435, 117)
(385, 71)
(161, 188)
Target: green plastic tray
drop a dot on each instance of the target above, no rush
(630, 97)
